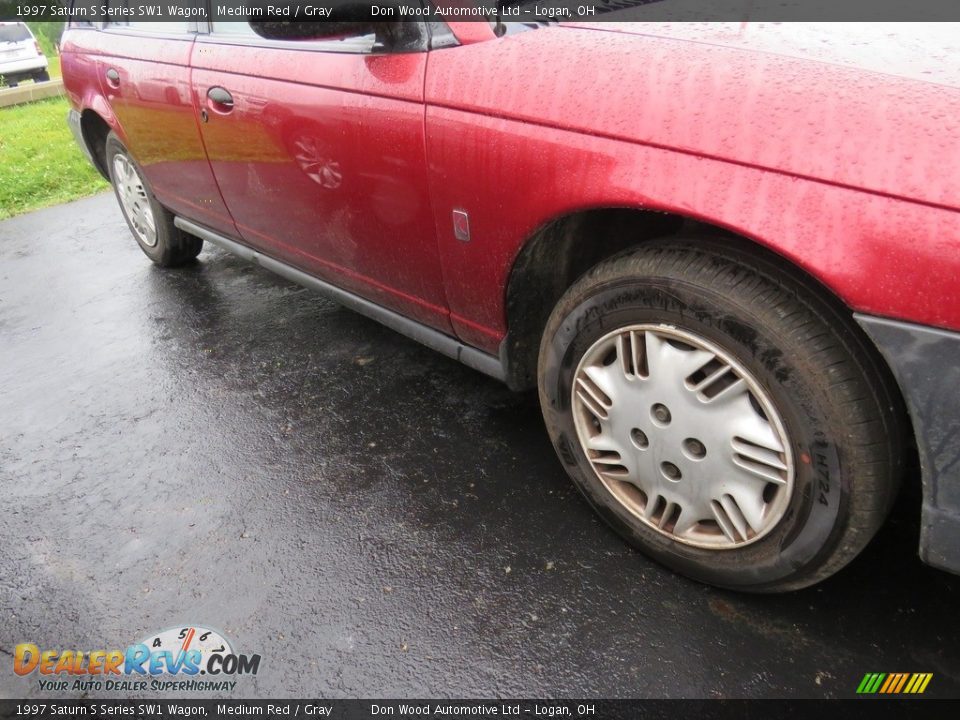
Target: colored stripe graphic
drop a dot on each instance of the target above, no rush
(891, 681)
(903, 679)
(894, 683)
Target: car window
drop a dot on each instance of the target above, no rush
(364, 38)
(162, 28)
(16, 32)
(78, 15)
(231, 27)
(242, 32)
(165, 27)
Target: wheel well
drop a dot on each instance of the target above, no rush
(552, 260)
(95, 131)
(564, 249)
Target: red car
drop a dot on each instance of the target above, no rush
(727, 255)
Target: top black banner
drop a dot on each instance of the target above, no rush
(527, 11)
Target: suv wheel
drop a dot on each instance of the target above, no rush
(151, 224)
(721, 414)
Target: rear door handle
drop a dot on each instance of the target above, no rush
(113, 78)
(220, 99)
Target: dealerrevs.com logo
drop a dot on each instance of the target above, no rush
(185, 658)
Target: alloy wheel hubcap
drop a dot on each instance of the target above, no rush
(133, 197)
(683, 436)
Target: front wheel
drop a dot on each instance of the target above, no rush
(41, 76)
(151, 223)
(721, 414)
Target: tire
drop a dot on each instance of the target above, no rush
(786, 463)
(151, 223)
(42, 76)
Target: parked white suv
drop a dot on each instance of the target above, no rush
(20, 55)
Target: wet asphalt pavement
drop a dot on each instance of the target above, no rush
(216, 446)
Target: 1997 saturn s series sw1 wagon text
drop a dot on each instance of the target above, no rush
(727, 255)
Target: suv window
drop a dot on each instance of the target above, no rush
(16, 32)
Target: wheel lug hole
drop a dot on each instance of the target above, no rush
(694, 449)
(639, 438)
(661, 414)
(670, 471)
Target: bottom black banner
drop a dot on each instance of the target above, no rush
(414, 709)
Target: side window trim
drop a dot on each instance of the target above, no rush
(187, 36)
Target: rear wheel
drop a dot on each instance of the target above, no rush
(41, 76)
(721, 414)
(151, 223)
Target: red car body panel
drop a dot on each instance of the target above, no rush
(752, 108)
(875, 261)
(709, 132)
(325, 169)
(152, 110)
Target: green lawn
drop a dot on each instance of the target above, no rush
(40, 164)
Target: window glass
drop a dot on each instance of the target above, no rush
(346, 37)
(78, 16)
(177, 27)
(165, 28)
(232, 27)
(352, 37)
(14, 32)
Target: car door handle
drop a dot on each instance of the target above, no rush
(113, 78)
(220, 99)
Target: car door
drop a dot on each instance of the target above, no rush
(318, 149)
(144, 71)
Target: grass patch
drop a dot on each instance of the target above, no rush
(41, 163)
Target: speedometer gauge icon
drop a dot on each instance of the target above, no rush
(183, 639)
